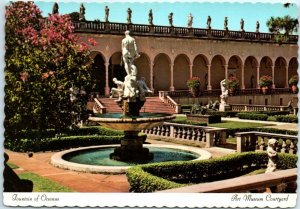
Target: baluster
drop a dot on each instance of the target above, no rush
(193, 134)
(262, 144)
(179, 132)
(247, 143)
(283, 147)
(159, 130)
(154, 130)
(184, 133)
(176, 131)
(163, 131)
(202, 136)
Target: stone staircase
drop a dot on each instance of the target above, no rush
(152, 104)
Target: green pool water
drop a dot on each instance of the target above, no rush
(100, 156)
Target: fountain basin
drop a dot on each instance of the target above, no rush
(59, 159)
(134, 123)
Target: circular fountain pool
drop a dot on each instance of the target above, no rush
(96, 159)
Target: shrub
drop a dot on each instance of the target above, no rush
(193, 83)
(222, 114)
(160, 176)
(265, 81)
(252, 116)
(287, 118)
(233, 82)
(293, 80)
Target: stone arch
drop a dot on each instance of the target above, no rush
(250, 72)
(293, 67)
(200, 69)
(265, 67)
(217, 71)
(143, 66)
(98, 72)
(181, 71)
(280, 72)
(115, 69)
(161, 72)
(235, 65)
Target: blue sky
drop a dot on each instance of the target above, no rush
(250, 12)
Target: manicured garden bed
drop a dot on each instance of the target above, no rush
(161, 176)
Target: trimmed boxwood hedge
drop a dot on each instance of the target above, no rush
(252, 116)
(161, 176)
(86, 136)
(287, 118)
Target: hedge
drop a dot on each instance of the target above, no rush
(161, 176)
(222, 114)
(287, 118)
(252, 116)
(187, 122)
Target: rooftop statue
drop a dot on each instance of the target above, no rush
(226, 23)
(150, 17)
(190, 20)
(82, 12)
(106, 14)
(129, 11)
(208, 22)
(257, 26)
(171, 19)
(55, 8)
(242, 24)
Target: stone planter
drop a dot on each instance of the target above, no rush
(195, 92)
(294, 89)
(204, 118)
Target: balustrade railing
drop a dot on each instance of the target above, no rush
(163, 95)
(255, 108)
(251, 141)
(190, 133)
(98, 107)
(177, 31)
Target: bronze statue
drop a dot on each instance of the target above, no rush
(106, 14)
(55, 8)
(82, 13)
(171, 19)
(150, 17)
(129, 11)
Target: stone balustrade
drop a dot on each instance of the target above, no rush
(119, 28)
(245, 107)
(163, 95)
(190, 133)
(251, 141)
(98, 107)
(257, 183)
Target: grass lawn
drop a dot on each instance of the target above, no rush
(234, 124)
(41, 184)
(12, 166)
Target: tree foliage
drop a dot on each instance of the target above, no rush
(44, 59)
(282, 25)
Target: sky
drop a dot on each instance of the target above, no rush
(250, 12)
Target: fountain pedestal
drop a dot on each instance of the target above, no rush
(131, 149)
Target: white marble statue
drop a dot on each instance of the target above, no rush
(119, 90)
(190, 20)
(130, 88)
(143, 88)
(272, 154)
(129, 52)
(224, 92)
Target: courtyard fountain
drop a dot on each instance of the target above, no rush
(131, 96)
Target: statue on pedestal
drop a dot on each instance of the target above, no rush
(224, 92)
(208, 22)
(171, 19)
(190, 20)
(55, 8)
(129, 12)
(106, 14)
(150, 17)
(82, 13)
(272, 154)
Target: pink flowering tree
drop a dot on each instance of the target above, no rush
(44, 60)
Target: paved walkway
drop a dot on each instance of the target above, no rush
(82, 182)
